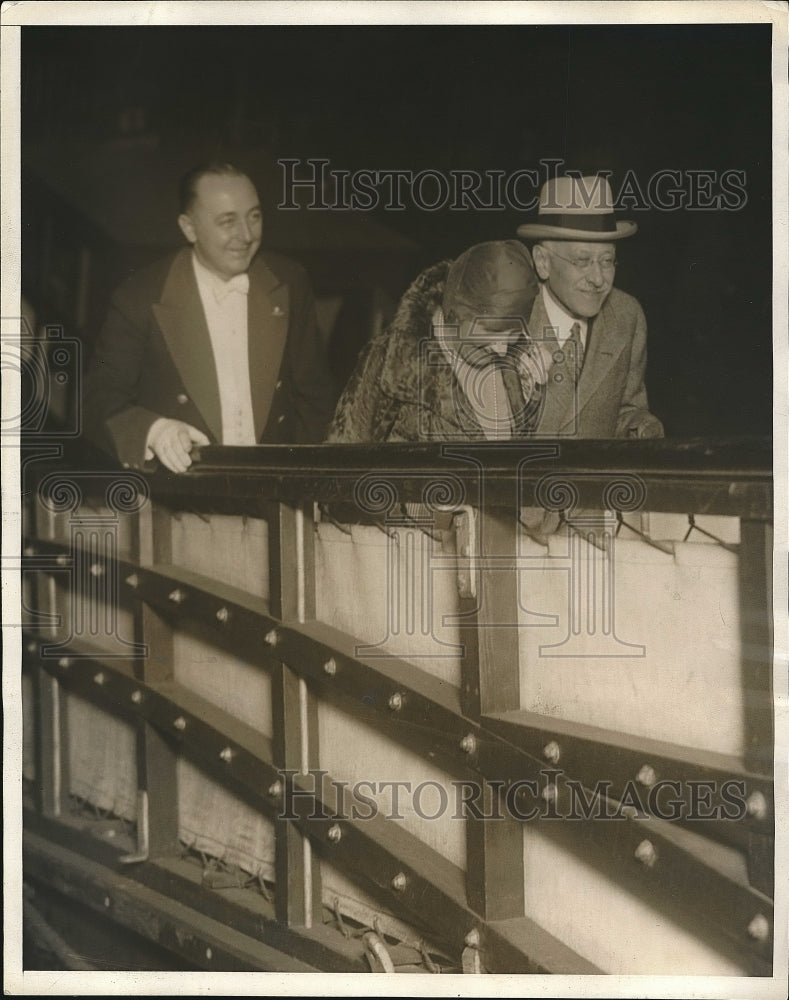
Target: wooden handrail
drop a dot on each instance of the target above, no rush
(691, 476)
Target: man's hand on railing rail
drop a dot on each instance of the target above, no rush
(647, 427)
(171, 441)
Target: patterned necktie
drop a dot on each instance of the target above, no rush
(577, 361)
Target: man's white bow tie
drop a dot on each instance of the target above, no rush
(239, 283)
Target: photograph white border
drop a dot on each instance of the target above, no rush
(15, 15)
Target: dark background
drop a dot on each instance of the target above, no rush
(111, 116)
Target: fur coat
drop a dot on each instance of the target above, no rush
(403, 388)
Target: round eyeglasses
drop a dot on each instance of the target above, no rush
(583, 262)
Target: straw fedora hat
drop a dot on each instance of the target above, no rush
(576, 208)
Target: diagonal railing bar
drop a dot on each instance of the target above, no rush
(429, 715)
(627, 762)
(385, 858)
(693, 871)
(726, 906)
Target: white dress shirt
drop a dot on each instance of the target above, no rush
(225, 307)
(561, 321)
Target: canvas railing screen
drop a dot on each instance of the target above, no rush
(435, 708)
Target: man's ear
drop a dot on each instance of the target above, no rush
(540, 255)
(187, 227)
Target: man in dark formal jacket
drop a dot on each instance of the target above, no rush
(216, 344)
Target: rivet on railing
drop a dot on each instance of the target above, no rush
(759, 928)
(396, 702)
(99, 678)
(399, 882)
(64, 662)
(222, 616)
(468, 744)
(136, 697)
(227, 755)
(133, 580)
(177, 596)
(552, 752)
(271, 638)
(472, 938)
(275, 789)
(757, 805)
(180, 723)
(646, 776)
(646, 853)
(61, 560)
(96, 569)
(334, 834)
(330, 667)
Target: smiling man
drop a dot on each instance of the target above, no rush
(216, 344)
(593, 336)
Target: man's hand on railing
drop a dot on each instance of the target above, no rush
(647, 427)
(171, 441)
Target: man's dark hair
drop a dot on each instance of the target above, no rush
(187, 189)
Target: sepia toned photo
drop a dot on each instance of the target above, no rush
(394, 498)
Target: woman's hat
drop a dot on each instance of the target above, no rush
(576, 208)
(493, 279)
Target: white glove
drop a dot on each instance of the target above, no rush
(171, 441)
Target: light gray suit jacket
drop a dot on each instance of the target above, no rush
(610, 399)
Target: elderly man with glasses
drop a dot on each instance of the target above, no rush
(592, 336)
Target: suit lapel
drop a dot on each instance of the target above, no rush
(182, 322)
(267, 322)
(605, 344)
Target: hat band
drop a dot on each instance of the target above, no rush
(603, 223)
